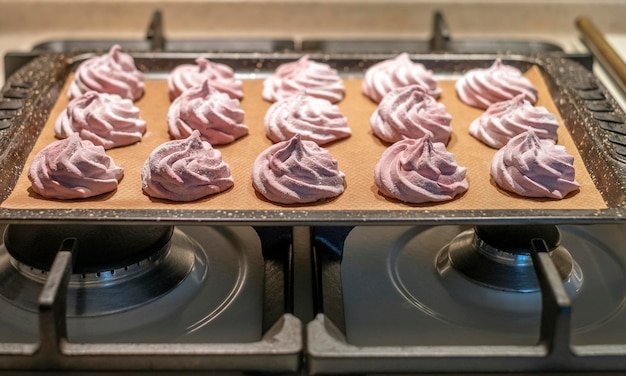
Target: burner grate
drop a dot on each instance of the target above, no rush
(440, 42)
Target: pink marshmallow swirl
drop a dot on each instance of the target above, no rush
(218, 117)
(400, 71)
(504, 120)
(220, 76)
(532, 167)
(185, 170)
(318, 79)
(73, 168)
(104, 119)
(418, 171)
(409, 112)
(483, 87)
(312, 118)
(113, 73)
(297, 172)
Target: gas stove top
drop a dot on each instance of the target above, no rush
(394, 298)
(137, 299)
(132, 298)
(389, 292)
(450, 299)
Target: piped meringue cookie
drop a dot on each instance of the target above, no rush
(483, 87)
(409, 112)
(113, 73)
(73, 168)
(104, 119)
(419, 171)
(312, 118)
(214, 114)
(400, 71)
(220, 77)
(504, 120)
(532, 167)
(318, 79)
(297, 172)
(185, 170)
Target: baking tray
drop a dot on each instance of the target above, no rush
(579, 97)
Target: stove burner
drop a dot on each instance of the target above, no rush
(100, 247)
(425, 305)
(498, 256)
(138, 265)
(219, 300)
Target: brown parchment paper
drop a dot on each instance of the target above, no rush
(357, 157)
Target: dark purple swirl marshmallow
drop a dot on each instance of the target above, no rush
(504, 120)
(400, 71)
(112, 73)
(185, 170)
(217, 117)
(418, 171)
(297, 172)
(532, 167)
(312, 118)
(73, 168)
(409, 112)
(220, 77)
(483, 87)
(104, 119)
(318, 79)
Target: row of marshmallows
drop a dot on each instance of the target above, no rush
(417, 168)
(408, 113)
(101, 115)
(528, 161)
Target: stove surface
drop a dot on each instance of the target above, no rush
(402, 313)
(219, 299)
(419, 301)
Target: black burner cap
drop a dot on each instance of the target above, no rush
(517, 238)
(100, 247)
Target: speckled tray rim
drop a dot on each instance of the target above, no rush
(48, 73)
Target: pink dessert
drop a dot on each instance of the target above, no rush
(532, 167)
(185, 170)
(220, 76)
(400, 71)
(318, 79)
(104, 119)
(113, 73)
(418, 171)
(409, 112)
(297, 172)
(483, 87)
(73, 168)
(312, 118)
(214, 114)
(504, 120)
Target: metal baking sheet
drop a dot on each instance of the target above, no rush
(47, 75)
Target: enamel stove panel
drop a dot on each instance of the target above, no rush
(421, 300)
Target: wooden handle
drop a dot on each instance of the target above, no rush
(595, 40)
